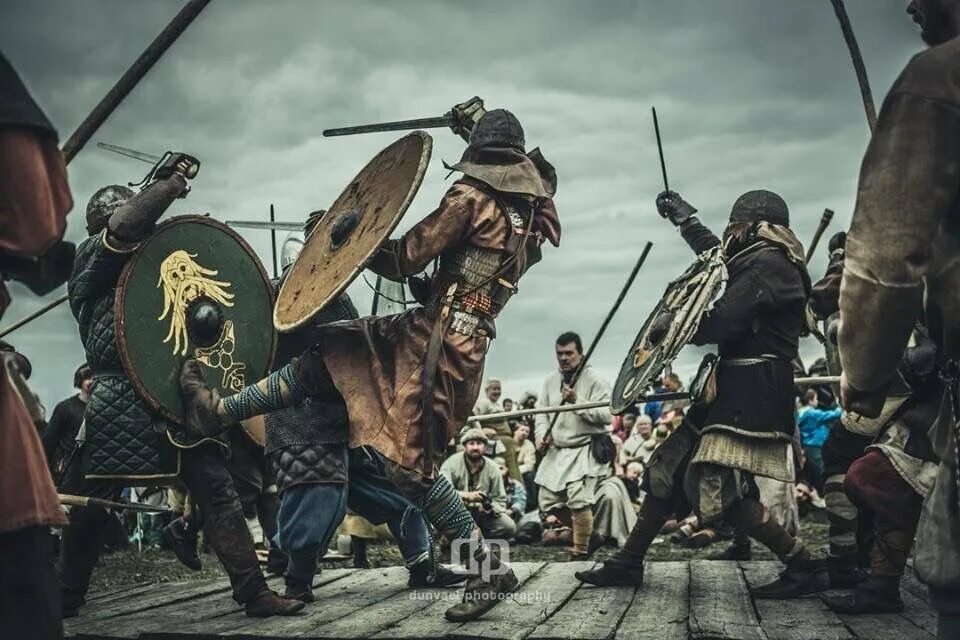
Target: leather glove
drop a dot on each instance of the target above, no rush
(199, 402)
(674, 208)
(659, 327)
(868, 404)
(837, 241)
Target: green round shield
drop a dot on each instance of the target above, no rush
(194, 289)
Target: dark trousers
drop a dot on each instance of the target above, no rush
(29, 593)
(203, 469)
(311, 513)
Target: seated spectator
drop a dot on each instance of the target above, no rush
(527, 461)
(814, 423)
(632, 475)
(640, 444)
(477, 479)
(498, 430)
(613, 513)
(516, 494)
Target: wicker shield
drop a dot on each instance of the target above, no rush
(688, 298)
(194, 289)
(355, 226)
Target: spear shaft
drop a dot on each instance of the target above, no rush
(865, 93)
(112, 100)
(133, 75)
(604, 325)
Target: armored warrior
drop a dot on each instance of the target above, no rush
(410, 380)
(319, 477)
(124, 436)
(901, 264)
(747, 430)
(884, 465)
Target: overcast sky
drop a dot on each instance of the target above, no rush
(751, 94)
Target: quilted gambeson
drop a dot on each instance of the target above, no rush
(124, 438)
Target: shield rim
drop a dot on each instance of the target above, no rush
(619, 404)
(119, 314)
(425, 156)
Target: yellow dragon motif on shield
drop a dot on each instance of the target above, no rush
(183, 280)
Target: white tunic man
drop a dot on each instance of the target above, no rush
(569, 473)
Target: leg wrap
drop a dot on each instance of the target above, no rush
(279, 390)
(842, 515)
(752, 517)
(444, 509)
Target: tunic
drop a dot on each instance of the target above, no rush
(568, 457)
(377, 363)
(902, 259)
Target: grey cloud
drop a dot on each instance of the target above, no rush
(751, 93)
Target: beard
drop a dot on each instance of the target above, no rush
(935, 23)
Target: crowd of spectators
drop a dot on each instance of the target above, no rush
(497, 465)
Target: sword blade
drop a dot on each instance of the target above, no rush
(447, 120)
(663, 164)
(268, 226)
(149, 158)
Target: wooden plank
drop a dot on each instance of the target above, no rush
(196, 616)
(99, 597)
(807, 618)
(593, 613)
(545, 591)
(720, 605)
(161, 595)
(913, 585)
(884, 626)
(429, 621)
(334, 601)
(918, 612)
(661, 608)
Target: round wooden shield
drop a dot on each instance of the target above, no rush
(194, 289)
(354, 227)
(688, 298)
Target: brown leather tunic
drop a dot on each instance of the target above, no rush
(377, 362)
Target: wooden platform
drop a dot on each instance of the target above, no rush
(680, 600)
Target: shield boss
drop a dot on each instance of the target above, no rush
(355, 226)
(194, 289)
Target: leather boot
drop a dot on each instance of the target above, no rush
(483, 592)
(180, 536)
(266, 603)
(616, 571)
(739, 549)
(844, 572)
(231, 540)
(421, 576)
(625, 568)
(277, 561)
(876, 594)
(803, 575)
(298, 590)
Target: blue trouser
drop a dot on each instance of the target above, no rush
(310, 514)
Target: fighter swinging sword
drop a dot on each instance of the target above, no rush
(112, 100)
